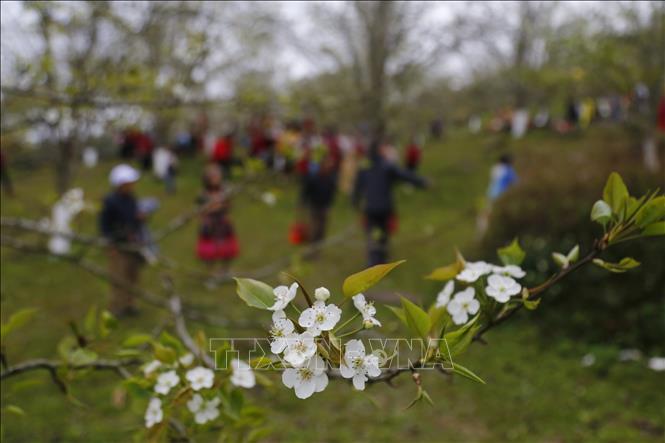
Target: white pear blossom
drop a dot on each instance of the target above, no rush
(463, 304)
(151, 367)
(513, 271)
(502, 288)
(299, 348)
(320, 317)
(282, 328)
(358, 366)
(200, 378)
(242, 374)
(166, 381)
(154, 413)
(443, 298)
(186, 360)
(283, 296)
(307, 379)
(367, 310)
(474, 270)
(322, 294)
(204, 411)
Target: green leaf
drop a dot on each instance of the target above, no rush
(399, 313)
(615, 194)
(467, 373)
(573, 254)
(168, 340)
(560, 259)
(446, 272)
(16, 320)
(363, 280)
(417, 319)
(90, 321)
(625, 264)
(81, 357)
(458, 341)
(512, 254)
(13, 409)
(654, 229)
(255, 293)
(531, 304)
(601, 212)
(107, 324)
(652, 212)
(136, 340)
(438, 318)
(164, 354)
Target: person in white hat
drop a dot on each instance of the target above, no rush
(120, 222)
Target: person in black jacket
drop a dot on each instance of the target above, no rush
(373, 193)
(120, 222)
(318, 193)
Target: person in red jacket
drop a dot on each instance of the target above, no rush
(222, 153)
(412, 156)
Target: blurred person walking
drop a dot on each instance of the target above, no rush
(413, 155)
(502, 177)
(165, 167)
(319, 188)
(121, 223)
(373, 194)
(217, 244)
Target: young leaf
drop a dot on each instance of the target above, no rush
(654, 229)
(16, 320)
(560, 259)
(363, 280)
(81, 356)
(573, 254)
(136, 340)
(601, 212)
(164, 354)
(14, 410)
(399, 313)
(467, 373)
(625, 264)
(255, 293)
(446, 272)
(438, 318)
(417, 319)
(652, 212)
(107, 323)
(512, 254)
(531, 304)
(459, 340)
(615, 193)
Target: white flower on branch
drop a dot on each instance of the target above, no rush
(242, 374)
(299, 348)
(367, 310)
(166, 381)
(186, 360)
(320, 317)
(282, 328)
(358, 366)
(200, 378)
(443, 298)
(463, 304)
(474, 270)
(502, 288)
(322, 294)
(154, 413)
(513, 271)
(151, 367)
(204, 411)
(307, 379)
(283, 296)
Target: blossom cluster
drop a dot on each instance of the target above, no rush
(306, 372)
(500, 285)
(203, 404)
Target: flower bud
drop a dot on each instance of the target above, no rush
(367, 324)
(321, 294)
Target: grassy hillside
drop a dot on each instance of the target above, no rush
(533, 392)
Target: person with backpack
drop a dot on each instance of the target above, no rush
(373, 194)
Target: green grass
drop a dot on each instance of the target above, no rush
(534, 392)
